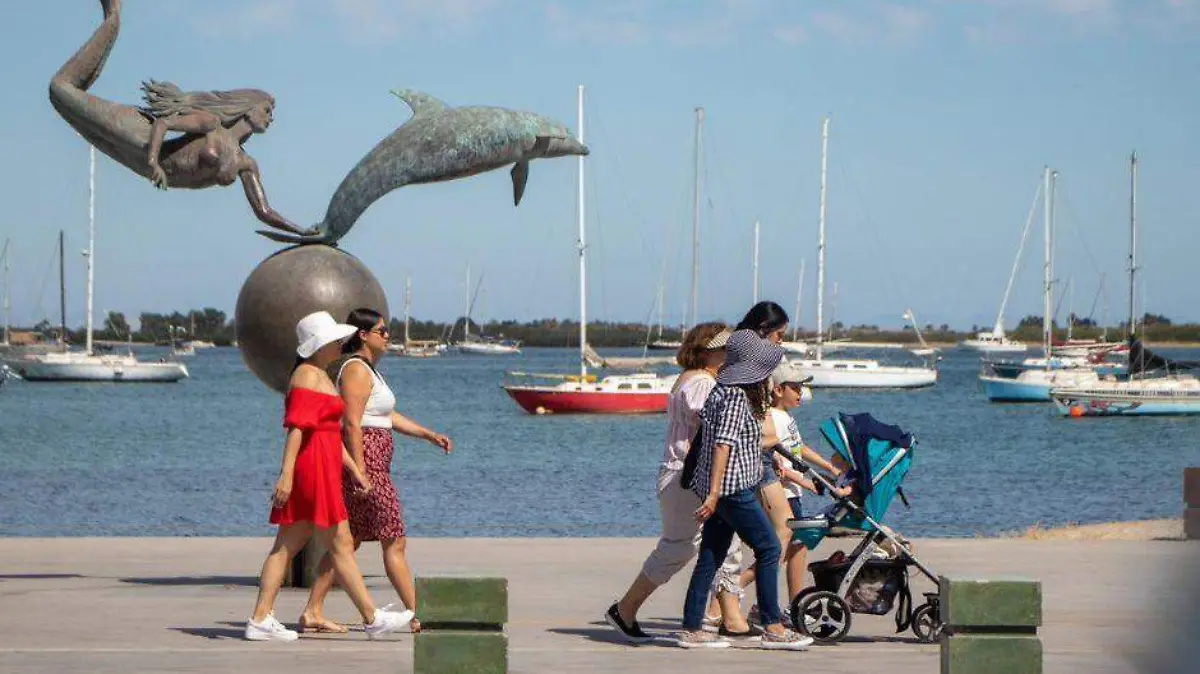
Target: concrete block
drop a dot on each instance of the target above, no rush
(1191, 523)
(303, 569)
(981, 605)
(991, 654)
(1191, 487)
(451, 652)
(476, 602)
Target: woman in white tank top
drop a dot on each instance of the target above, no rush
(367, 427)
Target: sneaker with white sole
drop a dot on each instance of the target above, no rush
(269, 629)
(700, 639)
(787, 641)
(754, 617)
(386, 621)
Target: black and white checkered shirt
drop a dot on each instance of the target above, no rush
(727, 420)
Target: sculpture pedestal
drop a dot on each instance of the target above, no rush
(288, 286)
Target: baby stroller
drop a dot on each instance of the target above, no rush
(872, 577)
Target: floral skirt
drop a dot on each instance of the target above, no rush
(378, 516)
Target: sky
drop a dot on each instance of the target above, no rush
(943, 114)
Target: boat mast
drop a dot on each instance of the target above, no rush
(696, 218)
(799, 294)
(582, 244)
(7, 305)
(660, 308)
(62, 289)
(467, 307)
(407, 307)
(91, 250)
(1047, 272)
(821, 240)
(1131, 329)
(756, 228)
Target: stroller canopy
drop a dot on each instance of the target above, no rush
(880, 456)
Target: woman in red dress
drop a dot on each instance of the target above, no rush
(369, 421)
(308, 495)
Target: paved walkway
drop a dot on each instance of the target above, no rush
(127, 605)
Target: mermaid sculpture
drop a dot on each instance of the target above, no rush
(213, 125)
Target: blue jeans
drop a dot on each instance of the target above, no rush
(739, 513)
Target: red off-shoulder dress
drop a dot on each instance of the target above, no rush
(317, 480)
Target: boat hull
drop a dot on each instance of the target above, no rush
(1115, 405)
(99, 372)
(829, 374)
(539, 400)
(487, 350)
(1011, 390)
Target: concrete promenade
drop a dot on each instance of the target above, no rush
(127, 605)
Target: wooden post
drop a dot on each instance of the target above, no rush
(1191, 499)
(462, 626)
(991, 626)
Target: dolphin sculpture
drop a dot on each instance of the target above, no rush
(436, 144)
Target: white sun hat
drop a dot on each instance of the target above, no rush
(318, 329)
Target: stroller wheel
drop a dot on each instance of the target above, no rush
(822, 615)
(927, 624)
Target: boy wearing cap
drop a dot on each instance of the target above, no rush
(779, 429)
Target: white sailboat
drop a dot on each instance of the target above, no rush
(472, 345)
(583, 393)
(87, 365)
(411, 348)
(1156, 385)
(846, 372)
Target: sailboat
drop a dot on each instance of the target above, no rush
(584, 393)
(87, 365)
(1156, 385)
(411, 348)
(845, 372)
(481, 345)
(1035, 377)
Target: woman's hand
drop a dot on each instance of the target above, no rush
(439, 440)
(842, 492)
(364, 484)
(707, 508)
(283, 491)
(158, 176)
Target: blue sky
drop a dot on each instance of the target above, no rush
(943, 114)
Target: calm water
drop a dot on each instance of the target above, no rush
(199, 458)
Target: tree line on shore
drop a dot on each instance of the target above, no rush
(213, 325)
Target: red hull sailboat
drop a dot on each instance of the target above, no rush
(643, 393)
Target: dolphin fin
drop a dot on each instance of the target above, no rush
(520, 174)
(419, 102)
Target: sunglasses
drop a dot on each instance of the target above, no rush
(795, 386)
(383, 331)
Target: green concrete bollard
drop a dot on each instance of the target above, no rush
(302, 571)
(991, 626)
(1191, 500)
(462, 626)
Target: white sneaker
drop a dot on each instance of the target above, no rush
(788, 641)
(386, 621)
(269, 629)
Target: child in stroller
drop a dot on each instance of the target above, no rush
(875, 458)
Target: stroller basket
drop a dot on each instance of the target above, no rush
(874, 589)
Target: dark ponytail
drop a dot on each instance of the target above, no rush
(764, 318)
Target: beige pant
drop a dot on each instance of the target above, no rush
(680, 537)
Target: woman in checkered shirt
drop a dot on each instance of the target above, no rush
(729, 468)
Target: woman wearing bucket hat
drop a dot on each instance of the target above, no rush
(308, 495)
(700, 356)
(728, 470)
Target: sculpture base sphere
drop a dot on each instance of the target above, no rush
(288, 286)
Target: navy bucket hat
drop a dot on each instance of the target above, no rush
(749, 359)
